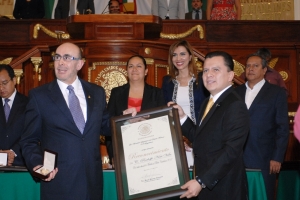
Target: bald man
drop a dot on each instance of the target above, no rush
(50, 123)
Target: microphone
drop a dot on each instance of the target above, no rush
(124, 8)
(105, 8)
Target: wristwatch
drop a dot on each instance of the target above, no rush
(200, 182)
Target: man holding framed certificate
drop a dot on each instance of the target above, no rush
(219, 138)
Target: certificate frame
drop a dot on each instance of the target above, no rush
(178, 147)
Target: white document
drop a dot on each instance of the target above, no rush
(3, 159)
(149, 155)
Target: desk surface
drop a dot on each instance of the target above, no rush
(20, 186)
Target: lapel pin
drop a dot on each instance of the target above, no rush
(89, 97)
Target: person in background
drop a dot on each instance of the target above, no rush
(168, 9)
(67, 116)
(29, 9)
(12, 115)
(184, 85)
(137, 93)
(197, 12)
(269, 127)
(219, 138)
(272, 76)
(297, 124)
(65, 8)
(223, 10)
(114, 7)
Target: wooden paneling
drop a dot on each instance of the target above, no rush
(114, 38)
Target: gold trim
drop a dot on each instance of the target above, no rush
(113, 63)
(6, 61)
(19, 74)
(59, 34)
(37, 61)
(149, 61)
(185, 34)
(162, 66)
(284, 75)
(147, 51)
(239, 68)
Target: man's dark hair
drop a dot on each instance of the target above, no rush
(264, 62)
(228, 61)
(265, 53)
(9, 70)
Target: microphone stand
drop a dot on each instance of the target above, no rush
(105, 9)
(126, 12)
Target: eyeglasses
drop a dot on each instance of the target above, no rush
(67, 58)
(4, 83)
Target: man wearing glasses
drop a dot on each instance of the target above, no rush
(67, 116)
(12, 113)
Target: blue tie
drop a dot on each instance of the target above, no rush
(75, 109)
(6, 108)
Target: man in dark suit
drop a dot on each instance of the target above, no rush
(197, 12)
(11, 122)
(50, 123)
(64, 8)
(269, 128)
(219, 139)
(29, 9)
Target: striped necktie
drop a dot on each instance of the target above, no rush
(6, 108)
(74, 106)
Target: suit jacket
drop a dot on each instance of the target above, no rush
(218, 147)
(49, 122)
(63, 7)
(199, 92)
(189, 15)
(269, 128)
(118, 102)
(176, 9)
(10, 132)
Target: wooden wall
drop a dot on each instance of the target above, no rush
(238, 38)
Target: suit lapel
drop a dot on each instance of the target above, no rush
(14, 110)
(259, 96)
(57, 97)
(2, 115)
(146, 97)
(217, 104)
(89, 97)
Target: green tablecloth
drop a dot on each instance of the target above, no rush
(288, 185)
(256, 186)
(20, 186)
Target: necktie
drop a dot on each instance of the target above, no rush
(75, 109)
(197, 14)
(72, 7)
(6, 108)
(208, 107)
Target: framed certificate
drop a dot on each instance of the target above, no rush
(149, 155)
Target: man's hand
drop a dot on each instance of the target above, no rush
(193, 189)
(51, 175)
(180, 110)
(274, 167)
(10, 156)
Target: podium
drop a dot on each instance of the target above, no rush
(114, 26)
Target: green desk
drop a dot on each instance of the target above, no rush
(20, 186)
(288, 185)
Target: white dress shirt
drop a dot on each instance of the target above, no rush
(252, 93)
(79, 93)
